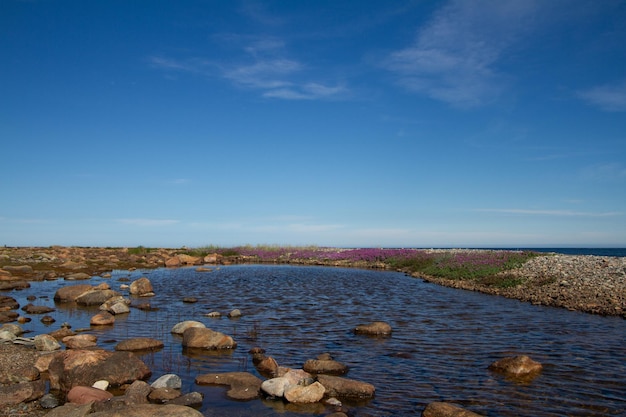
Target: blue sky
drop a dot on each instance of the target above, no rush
(341, 123)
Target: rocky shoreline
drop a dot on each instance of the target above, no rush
(591, 284)
(586, 283)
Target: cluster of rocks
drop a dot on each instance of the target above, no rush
(80, 375)
(592, 284)
(317, 380)
(79, 378)
(18, 265)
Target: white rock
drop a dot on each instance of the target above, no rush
(13, 328)
(6, 335)
(168, 381)
(46, 343)
(102, 384)
(275, 386)
(305, 394)
(184, 325)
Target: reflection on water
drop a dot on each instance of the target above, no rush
(443, 339)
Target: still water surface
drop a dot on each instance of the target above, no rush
(443, 339)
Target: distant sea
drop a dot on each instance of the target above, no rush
(578, 251)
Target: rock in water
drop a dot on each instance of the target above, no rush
(204, 338)
(517, 367)
(377, 328)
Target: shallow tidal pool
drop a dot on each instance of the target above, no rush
(442, 343)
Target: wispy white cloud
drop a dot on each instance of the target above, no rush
(608, 97)
(558, 213)
(310, 91)
(454, 56)
(263, 65)
(144, 222)
(265, 74)
(193, 65)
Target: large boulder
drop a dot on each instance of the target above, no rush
(343, 387)
(22, 392)
(150, 410)
(84, 367)
(19, 380)
(71, 410)
(441, 409)
(131, 410)
(243, 385)
(205, 338)
(180, 328)
(80, 341)
(71, 292)
(141, 287)
(95, 297)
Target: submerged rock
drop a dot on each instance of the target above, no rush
(517, 366)
(377, 328)
(139, 343)
(442, 409)
(243, 385)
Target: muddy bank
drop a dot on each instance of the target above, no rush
(592, 284)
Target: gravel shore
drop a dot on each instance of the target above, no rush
(592, 284)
